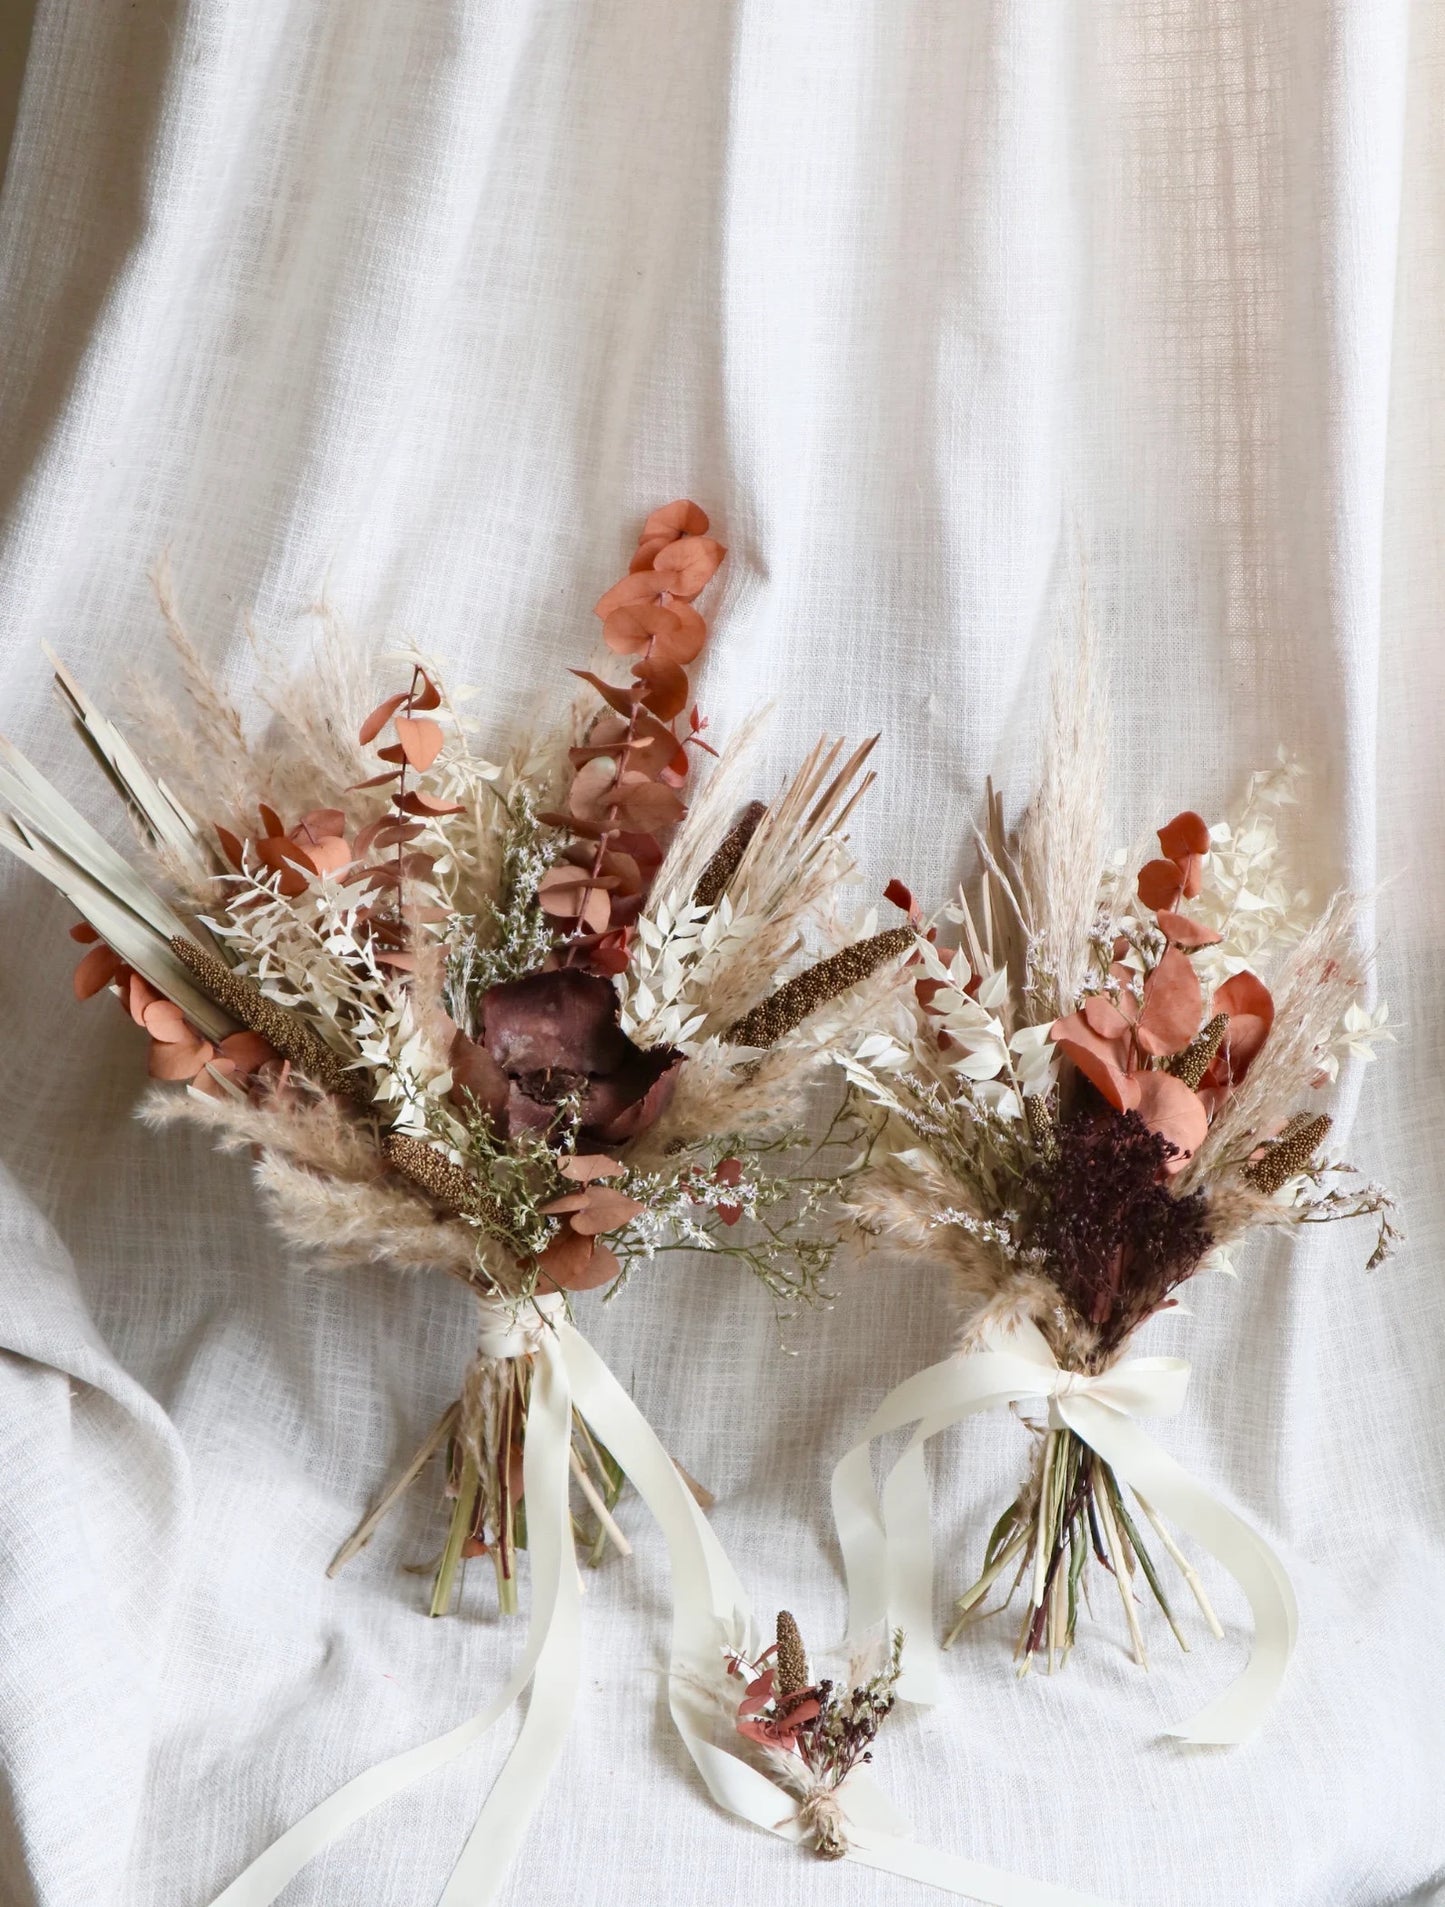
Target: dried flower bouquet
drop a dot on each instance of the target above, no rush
(525, 1024)
(1107, 1084)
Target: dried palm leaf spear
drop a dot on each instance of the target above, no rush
(1101, 1089)
(529, 1024)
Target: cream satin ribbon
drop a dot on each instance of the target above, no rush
(710, 1616)
(887, 1543)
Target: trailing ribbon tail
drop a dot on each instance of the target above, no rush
(710, 1614)
(550, 1657)
(887, 1553)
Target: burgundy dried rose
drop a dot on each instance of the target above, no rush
(551, 1037)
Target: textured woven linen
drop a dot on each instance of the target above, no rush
(418, 306)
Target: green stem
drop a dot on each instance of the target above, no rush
(463, 1512)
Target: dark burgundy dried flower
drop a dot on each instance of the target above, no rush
(1117, 1240)
(550, 1037)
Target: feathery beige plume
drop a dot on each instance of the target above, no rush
(1061, 841)
(350, 1224)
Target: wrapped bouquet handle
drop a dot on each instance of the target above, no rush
(710, 1615)
(886, 1544)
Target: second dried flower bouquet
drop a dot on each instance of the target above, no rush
(1109, 1082)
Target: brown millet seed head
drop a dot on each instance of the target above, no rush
(792, 1669)
(1194, 1062)
(429, 1169)
(292, 1038)
(713, 880)
(766, 1024)
(1292, 1152)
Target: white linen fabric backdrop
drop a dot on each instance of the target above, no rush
(421, 305)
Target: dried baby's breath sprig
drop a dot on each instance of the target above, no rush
(806, 992)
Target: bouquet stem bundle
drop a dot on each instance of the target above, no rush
(1073, 1511)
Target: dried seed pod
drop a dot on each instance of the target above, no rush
(767, 1022)
(714, 878)
(292, 1038)
(1292, 1152)
(1194, 1062)
(792, 1671)
(430, 1169)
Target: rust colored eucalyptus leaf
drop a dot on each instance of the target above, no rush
(1173, 1005)
(647, 804)
(1175, 1112)
(568, 1203)
(583, 1167)
(630, 629)
(642, 556)
(679, 518)
(165, 1022)
(428, 696)
(1160, 884)
(689, 565)
(1181, 931)
(1118, 1087)
(95, 972)
(1104, 1018)
(320, 824)
(604, 1209)
(417, 801)
(1187, 834)
(574, 1263)
(612, 693)
(247, 1052)
(421, 740)
(178, 1059)
(644, 586)
(593, 795)
(664, 687)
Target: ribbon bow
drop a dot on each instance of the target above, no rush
(710, 1614)
(887, 1542)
